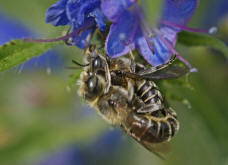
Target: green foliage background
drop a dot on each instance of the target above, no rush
(39, 115)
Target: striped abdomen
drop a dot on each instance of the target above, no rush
(148, 92)
(151, 129)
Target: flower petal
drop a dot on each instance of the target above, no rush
(114, 8)
(56, 14)
(83, 39)
(160, 53)
(121, 35)
(179, 11)
(99, 18)
(169, 34)
(77, 10)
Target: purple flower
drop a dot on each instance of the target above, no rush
(129, 29)
(83, 15)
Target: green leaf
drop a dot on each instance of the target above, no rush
(73, 79)
(196, 39)
(17, 52)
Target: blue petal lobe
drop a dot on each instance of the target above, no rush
(83, 39)
(56, 14)
(169, 34)
(114, 8)
(179, 11)
(99, 18)
(120, 38)
(160, 53)
(77, 11)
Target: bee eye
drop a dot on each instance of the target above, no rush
(94, 87)
(92, 83)
(97, 63)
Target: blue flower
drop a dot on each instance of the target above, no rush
(129, 29)
(83, 15)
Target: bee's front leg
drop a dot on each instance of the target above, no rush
(132, 65)
(107, 75)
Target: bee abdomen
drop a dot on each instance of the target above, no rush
(160, 130)
(152, 129)
(148, 92)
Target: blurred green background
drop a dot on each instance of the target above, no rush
(43, 123)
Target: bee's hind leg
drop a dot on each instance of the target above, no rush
(156, 68)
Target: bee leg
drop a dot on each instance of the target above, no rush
(100, 33)
(167, 64)
(87, 41)
(172, 112)
(107, 75)
(150, 108)
(160, 67)
(108, 78)
(133, 65)
(130, 91)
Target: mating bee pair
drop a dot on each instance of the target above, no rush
(124, 94)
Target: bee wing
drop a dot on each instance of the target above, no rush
(170, 72)
(159, 149)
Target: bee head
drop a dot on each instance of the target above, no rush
(95, 59)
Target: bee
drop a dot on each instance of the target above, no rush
(124, 94)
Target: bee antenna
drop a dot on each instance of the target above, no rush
(72, 67)
(81, 65)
